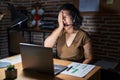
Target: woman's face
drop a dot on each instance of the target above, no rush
(67, 19)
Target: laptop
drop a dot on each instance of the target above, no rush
(40, 59)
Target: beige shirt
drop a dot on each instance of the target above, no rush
(75, 51)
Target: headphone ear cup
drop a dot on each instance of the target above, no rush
(74, 19)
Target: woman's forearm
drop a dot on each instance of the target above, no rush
(51, 40)
(88, 53)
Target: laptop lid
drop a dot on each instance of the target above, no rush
(39, 58)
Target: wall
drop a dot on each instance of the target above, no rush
(4, 23)
(104, 29)
(105, 34)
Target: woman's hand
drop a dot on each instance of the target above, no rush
(60, 19)
(51, 40)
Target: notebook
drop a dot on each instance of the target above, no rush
(40, 59)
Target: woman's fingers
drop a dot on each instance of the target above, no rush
(60, 19)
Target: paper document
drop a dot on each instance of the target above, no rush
(78, 69)
(12, 60)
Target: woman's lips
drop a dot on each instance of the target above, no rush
(68, 25)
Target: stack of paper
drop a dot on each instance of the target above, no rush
(12, 60)
(78, 69)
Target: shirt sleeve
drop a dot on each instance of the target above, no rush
(86, 38)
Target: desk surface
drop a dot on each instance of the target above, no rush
(93, 75)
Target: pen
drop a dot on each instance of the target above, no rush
(69, 68)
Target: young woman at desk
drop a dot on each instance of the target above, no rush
(72, 42)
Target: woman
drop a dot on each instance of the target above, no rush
(72, 42)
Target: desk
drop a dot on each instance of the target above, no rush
(35, 30)
(29, 30)
(93, 75)
(17, 41)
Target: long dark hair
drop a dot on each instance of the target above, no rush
(74, 12)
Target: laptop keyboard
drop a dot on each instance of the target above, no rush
(59, 68)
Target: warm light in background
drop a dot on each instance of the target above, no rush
(109, 1)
